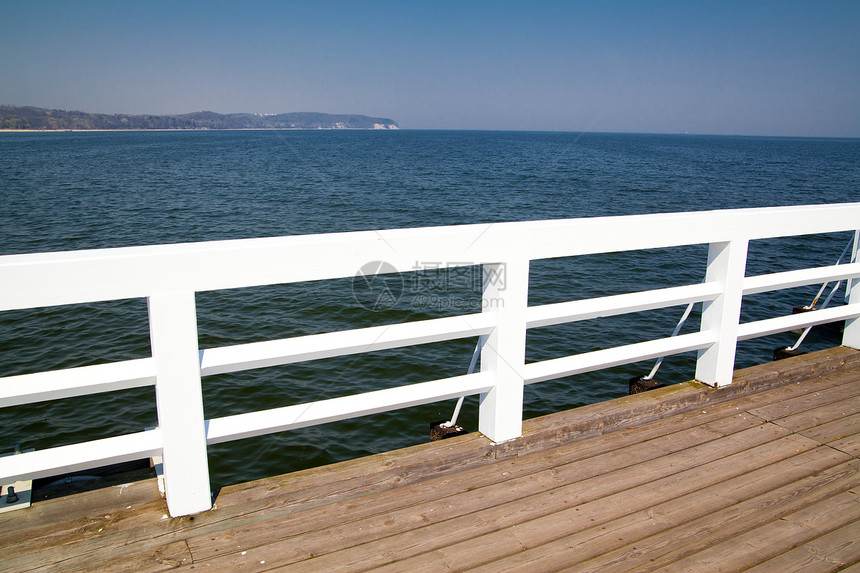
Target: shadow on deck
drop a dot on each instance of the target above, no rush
(762, 474)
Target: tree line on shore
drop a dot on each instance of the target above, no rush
(34, 118)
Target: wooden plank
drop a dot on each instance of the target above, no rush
(416, 504)
(850, 445)
(799, 368)
(591, 466)
(848, 387)
(72, 518)
(381, 471)
(113, 494)
(727, 410)
(562, 510)
(836, 430)
(298, 482)
(280, 498)
(149, 524)
(275, 493)
(765, 542)
(581, 542)
(359, 488)
(327, 487)
(637, 541)
(632, 540)
(782, 378)
(830, 552)
(79, 537)
(357, 477)
(820, 415)
(732, 526)
(162, 558)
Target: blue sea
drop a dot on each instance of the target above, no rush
(69, 191)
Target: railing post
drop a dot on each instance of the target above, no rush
(179, 399)
(851, 334)
(726, 266)
(506, 294)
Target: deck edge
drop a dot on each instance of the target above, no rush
(627, 411)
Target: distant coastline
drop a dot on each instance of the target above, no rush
(33, 119)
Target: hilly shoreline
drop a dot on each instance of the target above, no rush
(15, 118)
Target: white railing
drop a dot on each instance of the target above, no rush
(168, 276)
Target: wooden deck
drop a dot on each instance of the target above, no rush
(761, 475)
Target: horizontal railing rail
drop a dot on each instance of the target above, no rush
(341, 343)
(168, 276)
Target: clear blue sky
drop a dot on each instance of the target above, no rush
(752, 67)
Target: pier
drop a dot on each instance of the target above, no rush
(736, 469)
(761, 475)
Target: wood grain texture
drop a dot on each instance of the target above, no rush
(762, 474)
